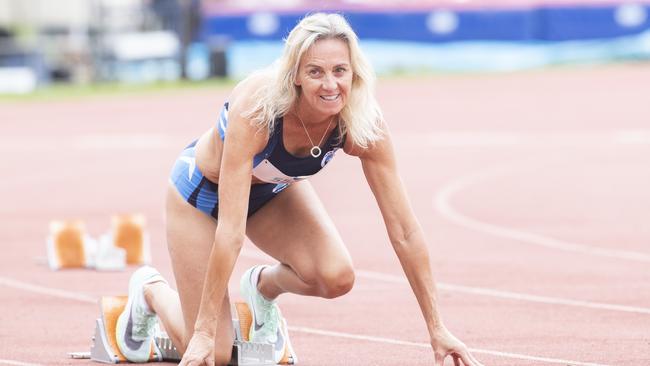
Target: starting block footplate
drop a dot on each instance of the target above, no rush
(244, 353)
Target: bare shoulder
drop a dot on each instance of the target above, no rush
(373, 150)
(241, 100)
(243, 95)
(351, 148)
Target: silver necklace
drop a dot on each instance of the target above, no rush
(315, 149)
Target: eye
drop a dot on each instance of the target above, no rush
(313, 72)
(340, 69)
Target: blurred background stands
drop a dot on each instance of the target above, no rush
(83, 41)
(137, 41)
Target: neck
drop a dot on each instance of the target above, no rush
(309, 117)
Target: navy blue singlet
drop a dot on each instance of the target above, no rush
(273, 165)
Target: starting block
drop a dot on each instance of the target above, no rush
(127, 243)
(69, 246)
(128, 232)
(244, 353)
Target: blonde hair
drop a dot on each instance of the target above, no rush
(361, 117)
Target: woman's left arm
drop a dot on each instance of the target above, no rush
(407, 239)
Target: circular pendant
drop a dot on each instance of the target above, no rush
(315, 151)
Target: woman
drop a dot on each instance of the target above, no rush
(246, 176)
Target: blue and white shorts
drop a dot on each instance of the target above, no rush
(201, 193)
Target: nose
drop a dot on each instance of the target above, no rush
(329, 82)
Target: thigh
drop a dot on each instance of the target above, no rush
(190, 235)
(295, 229)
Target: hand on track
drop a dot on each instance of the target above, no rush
(200, 351)
(444, 344)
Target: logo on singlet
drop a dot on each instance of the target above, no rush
(328, 156)
(280, 187)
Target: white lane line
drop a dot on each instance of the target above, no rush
(523, 139)
(124, 142)
(18, 363)
(75, 296)
(385, 278)
(90, 142)
(426, 345)
(509, 295)
(140, 141)
(481, 291)
(632, 137)
(442, 199)
(378, 276)
(46, 290)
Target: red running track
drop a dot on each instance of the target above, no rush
(531, 187)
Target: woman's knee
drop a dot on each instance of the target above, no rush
(335, 282)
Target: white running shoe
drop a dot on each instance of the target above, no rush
(135, 326)
(266, 325)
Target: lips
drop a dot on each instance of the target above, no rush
(330, 98)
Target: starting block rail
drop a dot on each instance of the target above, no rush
(244, 353)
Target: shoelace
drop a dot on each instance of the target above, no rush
(271, 318)
(143, 323)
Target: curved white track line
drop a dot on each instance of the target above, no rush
(82, 298)
(442, 203)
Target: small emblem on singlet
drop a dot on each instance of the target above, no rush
(280, 187)
(328, 156)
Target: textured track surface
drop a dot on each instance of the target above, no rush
(531, 188)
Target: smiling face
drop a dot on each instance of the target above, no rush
(325, 77)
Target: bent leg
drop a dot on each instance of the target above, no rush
(164, 301)
(295, 229)
(190, 235)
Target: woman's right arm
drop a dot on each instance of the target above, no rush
(243, 141)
